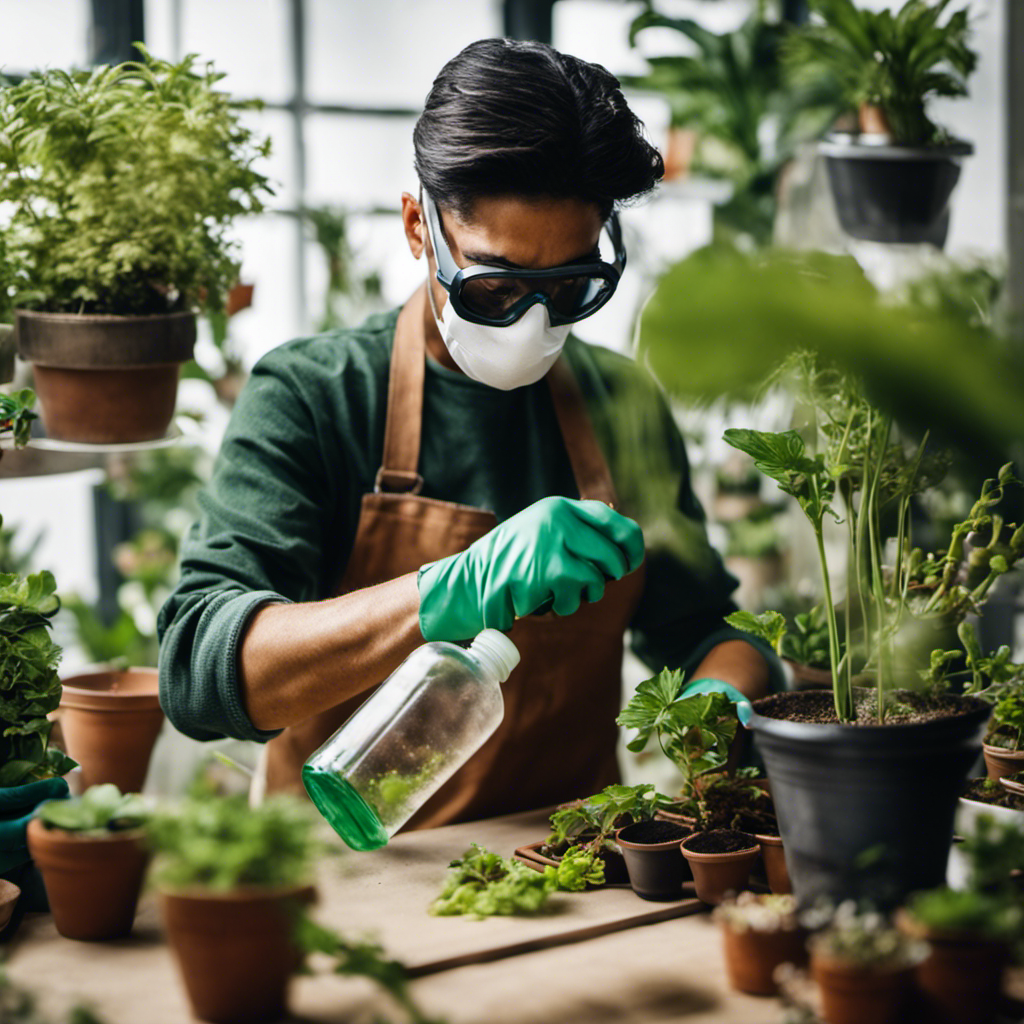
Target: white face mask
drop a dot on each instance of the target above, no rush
(502, 357)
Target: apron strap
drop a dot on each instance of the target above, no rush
(399, 470)
(402, 432)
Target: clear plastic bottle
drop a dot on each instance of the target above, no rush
(422, 724)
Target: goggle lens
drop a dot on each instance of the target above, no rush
(494, 297)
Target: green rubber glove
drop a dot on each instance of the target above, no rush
(557, 551)
(17, 805)
(744, 709)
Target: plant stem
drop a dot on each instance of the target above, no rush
(842, 696)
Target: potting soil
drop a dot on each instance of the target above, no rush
(903, 707)
(986, 791)
(732, 803)
(720, 840)
(650, 832)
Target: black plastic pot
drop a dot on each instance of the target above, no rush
(866, 812)
(888, 193)
(656, 870)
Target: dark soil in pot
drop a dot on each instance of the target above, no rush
(721, 861)
(866, 811)
(656, 869)
(738, 804)
(985, 791)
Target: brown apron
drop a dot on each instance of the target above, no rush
(557, 739)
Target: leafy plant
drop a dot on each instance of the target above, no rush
(361, 959)
(123, 182)
(220, 842)
(1006, 727)
(732, 93)
(29, 685)
(769, 626)
(591, 823)
(866, 939)
(99, 810)
(16, 415)
(896, 62)
(119, 644)
(693, 732)
(485, 884)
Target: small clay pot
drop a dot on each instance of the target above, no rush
(236, 950)
(806, 677)
(9, 894)
(717, 875)
(656, 871)
(774, 857)
(110, 722)
(752, 956)
(853, 994)
(92, 882)
(1000, 761)
(960, 981)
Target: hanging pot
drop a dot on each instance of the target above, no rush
(93, 882)
(865, 811)
(236, 949)
(110, 722)
(888, 193)
(105, 379)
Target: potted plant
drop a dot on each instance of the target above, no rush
(898, 761)
(122, 183)
(760, 932)
(864, 968)
(232, 881)
(31, 771)
(92, 856)
(695, 733)
(970, 930)
(892, 179)
(590, 825)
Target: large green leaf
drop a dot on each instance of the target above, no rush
(649, 705)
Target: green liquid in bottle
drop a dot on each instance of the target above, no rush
(345, 810)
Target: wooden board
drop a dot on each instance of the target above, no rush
(386, 893)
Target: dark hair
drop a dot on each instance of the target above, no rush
(505, 117)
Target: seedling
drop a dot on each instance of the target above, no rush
(693, 732)
(592, 822)
(98, 811)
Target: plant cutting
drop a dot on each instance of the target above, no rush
(891, 180)
(759, 933)
(92, 856)
(590, 825)
(122, 183)
(864, 968)
(485, 884)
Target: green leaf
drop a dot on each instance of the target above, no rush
(769, 626)
(647, 707)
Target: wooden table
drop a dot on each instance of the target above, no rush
(671, 971)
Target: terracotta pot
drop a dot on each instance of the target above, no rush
(852, 994)
(752, 956)
(656, 871)
(872, 120)
(9, 894)
(806, 677)
(235, 949)
(774, 857)
(105, 379)
(110, 721)
(960, 981)
(93, 882)
(717, 875)
(680, 144)
(1000, 762)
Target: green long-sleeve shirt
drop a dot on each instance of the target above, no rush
(279, 516)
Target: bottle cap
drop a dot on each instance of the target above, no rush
(493, 649)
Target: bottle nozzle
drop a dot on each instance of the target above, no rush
(496, 651)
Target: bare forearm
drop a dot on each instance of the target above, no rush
(738, 663)
(300, 659)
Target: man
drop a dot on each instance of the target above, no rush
(445, 468)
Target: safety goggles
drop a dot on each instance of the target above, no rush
(498, 296)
